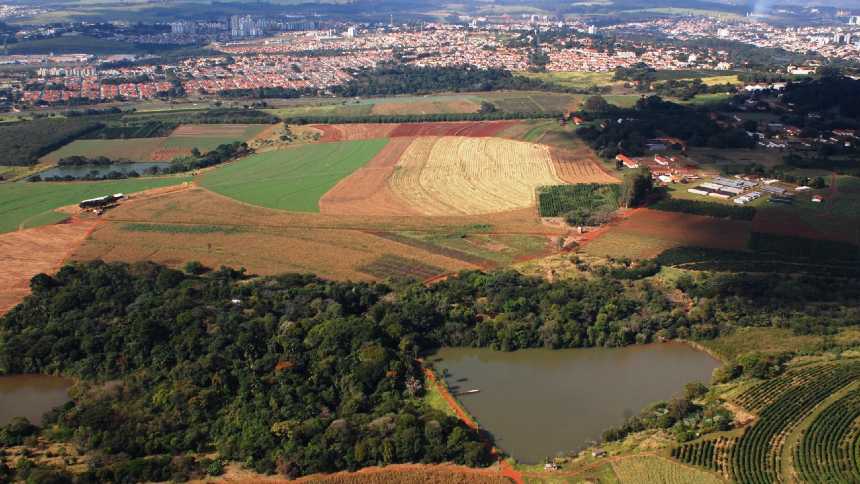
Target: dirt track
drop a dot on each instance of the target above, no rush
(30, 252)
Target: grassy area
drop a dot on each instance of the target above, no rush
(434, 399)
(745, 340)
(573, 79)
(31, 204)
(291, 179)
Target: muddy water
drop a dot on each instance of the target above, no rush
(31, 396)
(538, 403)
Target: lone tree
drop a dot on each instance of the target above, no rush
(638, 185)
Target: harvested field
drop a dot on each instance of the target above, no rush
(366, 191)
(458, 175)
(425, 107)
(647, 469)
(196, 224)
(29, 252)
(646, 233)
(293, 178)
(393, 266)
(576, 168)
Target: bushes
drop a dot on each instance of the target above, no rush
(803, 248)
(709, 209)
(582, 204)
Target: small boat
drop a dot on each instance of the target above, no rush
(474, 390)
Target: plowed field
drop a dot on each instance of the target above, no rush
(459, 175)
(359, 131)
(646, 233)
(366, 191)
(574, 169)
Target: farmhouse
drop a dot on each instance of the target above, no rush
(627, 161)
(100, 201)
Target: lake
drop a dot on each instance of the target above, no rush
(83, 170)
(31, 396)
(539, 402)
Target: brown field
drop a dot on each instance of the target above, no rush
(426, 107)
(351, 132)
(29, 252)
(458, 175)
(167, 154)
(646, 233)
(394, 266)
(199, 225)
(399, 473)
(576, 168)
(358, 131)
(366, 191)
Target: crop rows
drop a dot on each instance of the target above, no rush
(760, 396)
(458, 175)
(554, 201)
(714, 454)
(756, 456)
(830, 448)
(394, 266)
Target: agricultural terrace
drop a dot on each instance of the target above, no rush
(294, 178)
(24, 205)
(204, 137)
(458, 175)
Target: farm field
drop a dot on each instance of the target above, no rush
(653, 469)
(426, 107)
(294, 178)
(646, 233)
(573, 79)
(139, 149)
(33, 204)
(180, 142)
(30, 252)
(457, 175)
(196, 224)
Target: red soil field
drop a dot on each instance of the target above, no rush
(472, 129)
(30, 252)
(349, 132)
(366, 191)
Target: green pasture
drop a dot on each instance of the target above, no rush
(573, 79)
(24, 204)
(292, 179)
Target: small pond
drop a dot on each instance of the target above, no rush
(82, 171)
(31, 396)
(537, 403)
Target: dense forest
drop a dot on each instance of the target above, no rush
(295, 375)
(24, 143)
(628, 130)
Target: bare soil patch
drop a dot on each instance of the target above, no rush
(351, 132)
(167, 154)
(466, 128)
(366, 191)
(29, 252)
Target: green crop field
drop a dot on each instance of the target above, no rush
(25, 204)
(138, 149)
(291, 179)
(573, 79)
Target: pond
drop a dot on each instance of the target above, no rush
(538, 403)
(81, 171)
(31, 396)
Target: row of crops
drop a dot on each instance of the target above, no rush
(755, 458)
(830, 448)
(559, 200)
(712, 454)
(760, 396)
